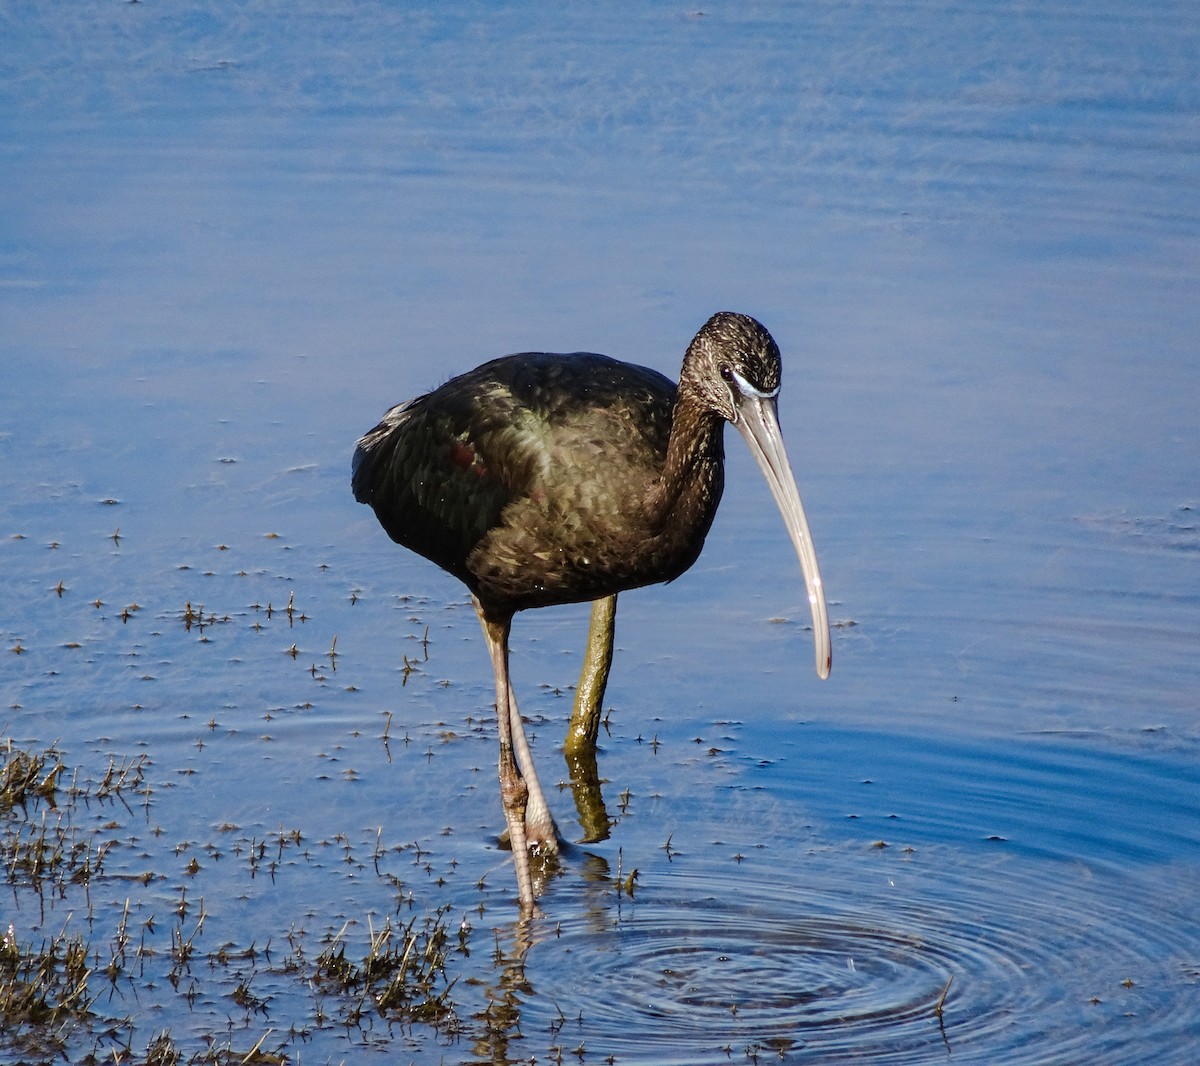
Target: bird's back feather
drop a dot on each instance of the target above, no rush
(520, 476)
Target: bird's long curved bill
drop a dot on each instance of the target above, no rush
(759, 425)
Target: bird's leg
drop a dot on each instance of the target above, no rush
(513, 791)
(541, 834)
(593, 678)
(579, 747)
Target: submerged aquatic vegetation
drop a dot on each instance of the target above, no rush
(41, 845)
(74, 996)
(43, 992)
(27, 777)
(402, 975)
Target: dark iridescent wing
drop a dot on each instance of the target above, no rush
(427, 484)
(440, 470)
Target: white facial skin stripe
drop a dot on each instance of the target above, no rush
(747, 389)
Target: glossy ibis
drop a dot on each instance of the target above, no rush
(539, 479)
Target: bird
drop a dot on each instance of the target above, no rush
(541, 478)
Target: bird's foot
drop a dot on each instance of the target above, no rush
(541, 834)
(540, 838)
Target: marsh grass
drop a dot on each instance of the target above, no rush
(74, 994)
(402, 976)
(45, 984)
(44, 991)
(27, 777)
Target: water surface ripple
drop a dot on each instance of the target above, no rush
(833, 896)
(1033, 968)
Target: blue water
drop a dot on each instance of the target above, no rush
(232, 237)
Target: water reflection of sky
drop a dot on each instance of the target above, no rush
(230, 238)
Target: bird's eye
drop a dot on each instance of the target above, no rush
(726, 372)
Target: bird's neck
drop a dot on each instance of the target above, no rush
(687, 493)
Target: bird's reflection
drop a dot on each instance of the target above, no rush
(500, 1020)
(589, 801)
(497, 1040)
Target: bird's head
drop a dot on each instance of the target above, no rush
(733, 358)
(733, 366)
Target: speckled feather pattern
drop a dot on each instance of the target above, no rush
(542, 478)
(529, 478)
